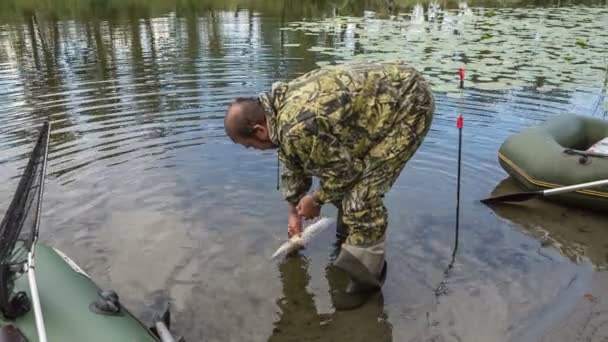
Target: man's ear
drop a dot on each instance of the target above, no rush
(261, 132)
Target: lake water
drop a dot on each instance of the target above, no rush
(150, 197)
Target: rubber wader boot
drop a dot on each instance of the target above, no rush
(341, 232)
(357, 292)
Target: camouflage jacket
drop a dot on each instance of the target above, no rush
(325, 121)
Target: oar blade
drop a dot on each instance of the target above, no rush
(517, 197)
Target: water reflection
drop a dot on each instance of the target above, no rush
(146, 79)
(147, 193)
(142, 70)
(578, 234)
(288, 9)
(299, 319)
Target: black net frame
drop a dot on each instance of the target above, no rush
(20, 225)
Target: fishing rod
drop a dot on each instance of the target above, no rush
(459, 125)
(442, 288)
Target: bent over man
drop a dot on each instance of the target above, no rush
(354, 127)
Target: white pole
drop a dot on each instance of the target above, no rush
(35, 299)
(563, 189)
(163, 332)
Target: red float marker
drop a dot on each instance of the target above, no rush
(461, 73)
(460, 120)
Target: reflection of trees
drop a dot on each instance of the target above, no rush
(33, 40)
(296, 9)
(36, 44)
(214, 37)
(145, 78)
(300, 321)
(131, 58)
(106, 60)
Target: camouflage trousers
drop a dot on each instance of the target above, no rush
(363, 216)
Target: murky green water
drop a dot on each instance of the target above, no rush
(148, 195)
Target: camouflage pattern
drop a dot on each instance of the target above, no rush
(363, 209)
(354, 127)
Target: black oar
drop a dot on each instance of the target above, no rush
(524, 196)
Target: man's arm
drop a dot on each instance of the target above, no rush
(294, 183)
(322, 153)
(294, 186)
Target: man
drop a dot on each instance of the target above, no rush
(354, 127)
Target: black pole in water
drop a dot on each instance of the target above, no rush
(278, 170)
(457, 199)
(459, 125)
(442, 288)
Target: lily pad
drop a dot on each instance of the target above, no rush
(317, 49)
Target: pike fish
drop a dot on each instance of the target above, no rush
(302, 239)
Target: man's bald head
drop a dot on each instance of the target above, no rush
(245, 123)
(242, 114)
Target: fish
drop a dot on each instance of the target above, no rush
(300, 240)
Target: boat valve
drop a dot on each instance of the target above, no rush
(107, 304)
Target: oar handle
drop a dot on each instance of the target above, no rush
(569, 188)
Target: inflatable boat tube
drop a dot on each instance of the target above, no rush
(565, 150)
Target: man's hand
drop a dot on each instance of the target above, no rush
(308, 208)
(294, 225)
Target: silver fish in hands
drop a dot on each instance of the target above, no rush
(300, 240)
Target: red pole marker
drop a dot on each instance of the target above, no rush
(461, 73)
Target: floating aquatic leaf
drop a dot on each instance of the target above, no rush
(317, 49)
(581, 43)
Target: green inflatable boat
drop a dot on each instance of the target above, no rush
(73, 308)
(565, 150)
(44, 295)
